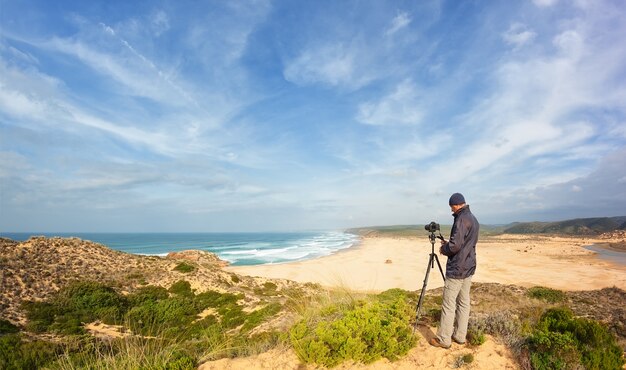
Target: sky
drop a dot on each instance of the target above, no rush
(208, 116)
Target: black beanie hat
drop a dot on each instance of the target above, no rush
(456, 198)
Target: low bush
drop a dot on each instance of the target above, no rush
(182, 288)
(184, 267)
(502, 324)
(363, 333)
(78, 303)
(152, 318)
(7, 328)
(147, 294)
(463, 360)
(40, 315)
(17, 354)
(561, 340)
(547, 294)
(216, 299)
(268, 289)
(253, 319)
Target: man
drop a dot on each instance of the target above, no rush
(461, 265)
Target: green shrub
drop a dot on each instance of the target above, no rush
(180, 361)
(215, 299)
(147, 294)
(184, 267)
(86, 301)
(17, 354)
(152, 318)
(67, 324)
(182, 288)
(7, 328)
(364, 334)
(269, 289)
(476, 336)
(546, 294)
(562, 341)
(232, 316)
(463, 360)
(40, 315)
(254, 318)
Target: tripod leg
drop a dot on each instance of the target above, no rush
(440, 269)
(419, 303)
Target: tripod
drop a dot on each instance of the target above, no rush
(431, 264)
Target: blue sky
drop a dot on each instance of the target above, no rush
(297, 115)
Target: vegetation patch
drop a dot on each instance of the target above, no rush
(561, 341)
(7, 328)
(547, 294)
(363, 333)
(463, 360)
(268, 289)
(181, 288)
(169, 334)
(18, 354)
(184, 267)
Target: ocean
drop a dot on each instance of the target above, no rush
(237, 248)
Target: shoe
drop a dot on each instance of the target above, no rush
(457, 342)
(436, 343)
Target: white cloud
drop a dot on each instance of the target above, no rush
(518, 35)
(570, 43)
(333, 65)
(160, 22)
(401, 106)
(545, 3)
(399, 22)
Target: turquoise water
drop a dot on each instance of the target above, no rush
(236, 248)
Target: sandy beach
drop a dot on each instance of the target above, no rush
(380, 263)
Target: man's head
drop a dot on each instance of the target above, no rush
(457, 201)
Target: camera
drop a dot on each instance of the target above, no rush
(432, 227)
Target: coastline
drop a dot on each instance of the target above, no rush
(380, 263)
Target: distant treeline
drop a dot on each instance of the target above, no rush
(579, 226)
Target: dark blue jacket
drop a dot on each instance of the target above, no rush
(461, 248)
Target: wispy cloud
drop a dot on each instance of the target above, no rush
(518, 34)
(401, 106)
(545, 3)
(269, 115)
(399, 22)
(330, 64)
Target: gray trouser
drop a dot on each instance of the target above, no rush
(455, 310)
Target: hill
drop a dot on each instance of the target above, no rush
(579, 226)
(35, 269)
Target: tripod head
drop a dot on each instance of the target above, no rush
(432, 227)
